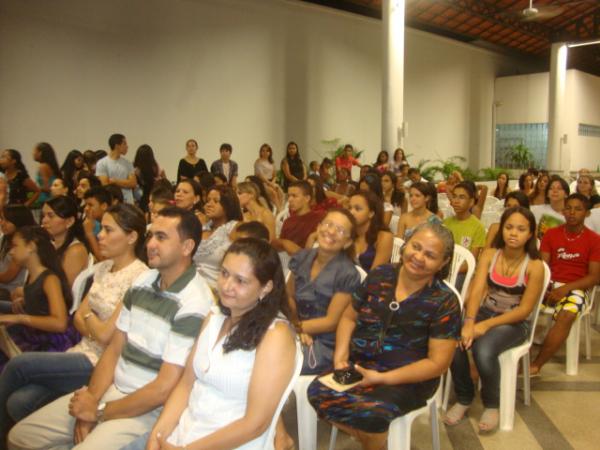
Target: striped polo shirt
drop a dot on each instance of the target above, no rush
(161, 326)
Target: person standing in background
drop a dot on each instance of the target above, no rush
(115, 169)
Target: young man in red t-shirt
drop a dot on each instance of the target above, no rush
(346, 160)
(573, 253)
(302, 221)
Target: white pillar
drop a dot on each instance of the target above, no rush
(392, 116)
(556, 105)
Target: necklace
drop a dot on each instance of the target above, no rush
(509, 269)
(573, 238)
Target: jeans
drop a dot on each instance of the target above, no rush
(6, 307)
(486, 350)
(33, 379)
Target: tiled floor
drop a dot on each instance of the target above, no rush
(564, 414)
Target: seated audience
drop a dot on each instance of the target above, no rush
(512, 199)
(467, 230)
(246, 344)
(344, 186)
(70, 169)
(573, 253)
(254, 229)
(267, 196)
(116, 194)
(302, 220)
(382, 164)
(225, 166)
(372, 182)
(526, 183)
(97, 201)
(313, 168)
(58, 188)
(325, 173)
(509, 278)
(447, 186)
(42, 321)
(481, 191)
(374, 242)
(423, 200)
(551, 215)
(90, 159)
(398, 162)
(248, 195)
(223, 211)
(392, 195)
(22, 190)
(59, 219)
(33, 379)
(188, 196)
(414, 176)
(85, 181)
(502, 186)
(160, 197)
(399, 333)
(145, 358)
(587, 187)
(12, 274)
(538, 196)
(190, 165)
(322, 200)
(320, 288)
(582, 171)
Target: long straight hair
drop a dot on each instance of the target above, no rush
(531, 244)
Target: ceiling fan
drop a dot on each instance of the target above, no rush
(544, 12)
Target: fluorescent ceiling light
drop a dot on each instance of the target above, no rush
(581, 44)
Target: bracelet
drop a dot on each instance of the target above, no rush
(468, 318)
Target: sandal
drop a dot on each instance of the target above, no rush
(489, 420)
(456, 414)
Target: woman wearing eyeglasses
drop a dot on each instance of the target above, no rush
(320, 288)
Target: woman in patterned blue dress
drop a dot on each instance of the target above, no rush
(400, 332)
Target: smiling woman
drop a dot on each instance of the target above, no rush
(399, 333)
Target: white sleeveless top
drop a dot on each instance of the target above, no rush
(220, 392)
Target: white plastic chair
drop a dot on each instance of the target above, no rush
(399, 431)
(462, 255)
(297, 368)
(279, 219)
(398, 243)
(572, 344)
(490, 217)
(306, 415)
(493, 204)
(394, 224)
(509, 364)
(79, 286)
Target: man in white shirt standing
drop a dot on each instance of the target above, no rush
(115, 169)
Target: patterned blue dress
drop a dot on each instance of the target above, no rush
(433, 312)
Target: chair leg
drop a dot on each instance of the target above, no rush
(447, 388)
(508, 392)
(399, 433)
(435, 429)
(307, 421)
(526, 379)
(572, 347)
(333, 437)
(587, 329)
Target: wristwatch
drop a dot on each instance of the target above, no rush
(100, 412)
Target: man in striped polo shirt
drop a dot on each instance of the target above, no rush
(159, 320)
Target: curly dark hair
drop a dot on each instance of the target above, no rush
(254, 324)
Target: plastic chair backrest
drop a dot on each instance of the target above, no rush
(398, 243)
(394, 224)
(79, 286)
(279, 219)
(461, 300)
(298, 367)
(461, 255)
(540, 301)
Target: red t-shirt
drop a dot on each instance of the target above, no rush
(569, 258)
(346, 163)
(297, 228)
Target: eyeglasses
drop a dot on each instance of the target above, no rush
(337, 229)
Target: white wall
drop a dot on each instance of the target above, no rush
(238, 71)
(524, 99)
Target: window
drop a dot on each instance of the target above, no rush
(532, 135)
(589, 130)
